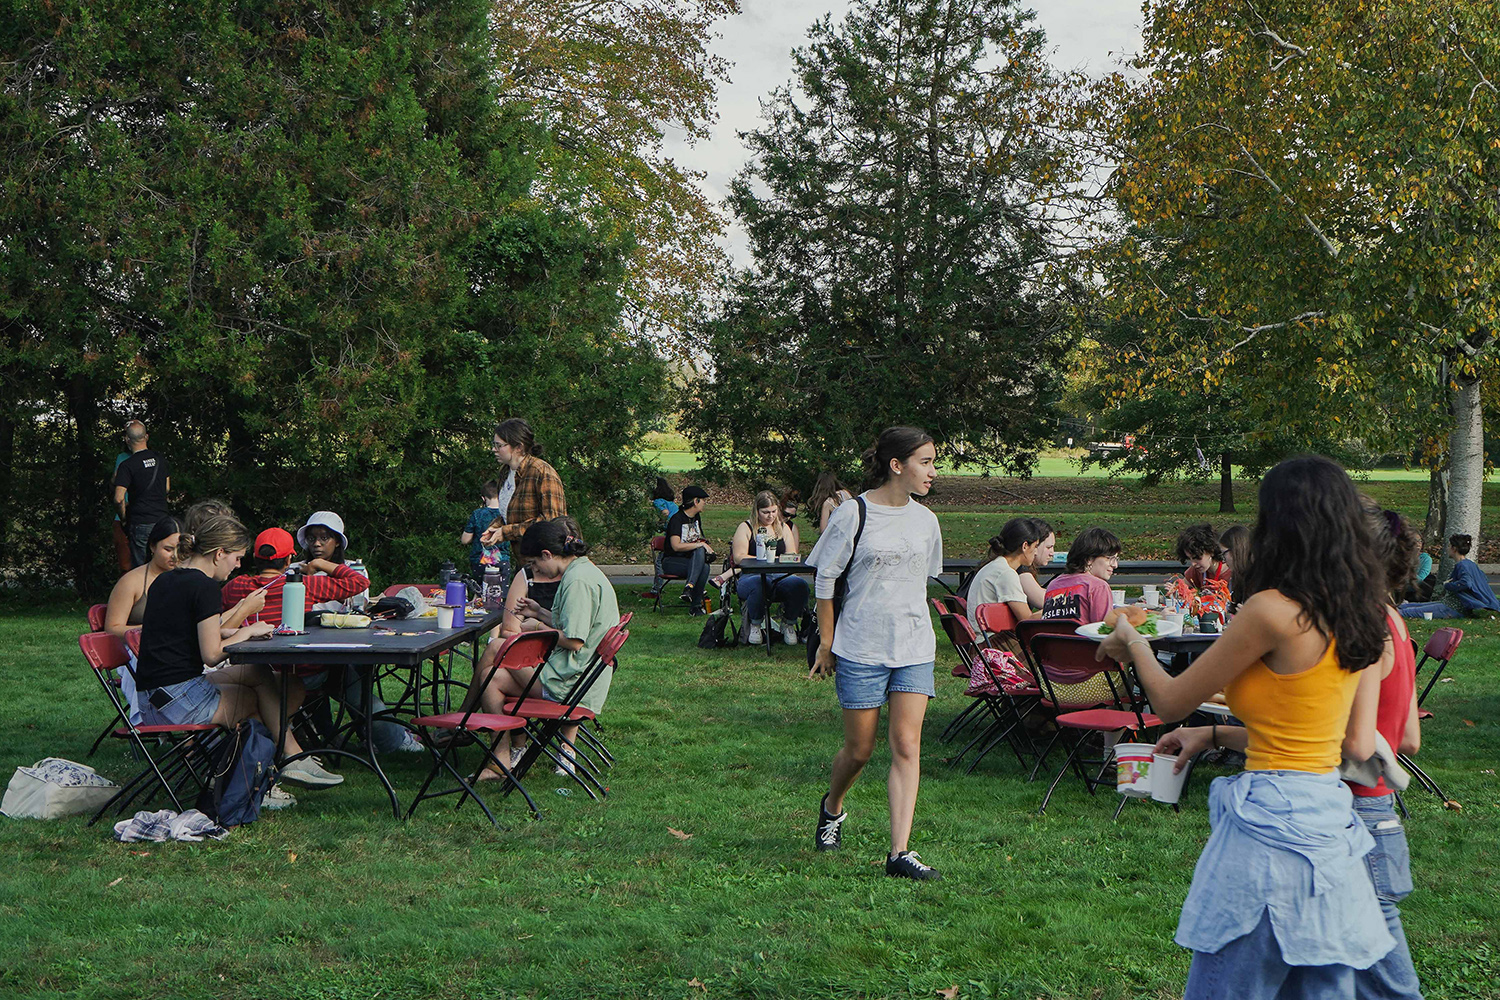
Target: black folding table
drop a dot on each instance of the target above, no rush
(380, 644)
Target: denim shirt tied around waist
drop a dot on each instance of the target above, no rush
(1287, 842)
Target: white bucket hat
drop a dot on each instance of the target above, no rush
(327, 519)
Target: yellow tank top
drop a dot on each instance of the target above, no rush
(1296, 721)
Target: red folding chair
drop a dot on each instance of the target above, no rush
(547, 719)
(960, 669)
(1441, 646)
(954, 604)
(659, 546)
(96, 617)
(113, 677)
(1006, 706)
(188, 745)
(1066, 665)
(526, 649)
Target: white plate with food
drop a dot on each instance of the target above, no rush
(1150, 626)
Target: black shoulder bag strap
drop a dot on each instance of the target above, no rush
(841, 585)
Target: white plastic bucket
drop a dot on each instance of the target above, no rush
(1133, 769)
(1118, 596)
(1166, 786)
(444, 616)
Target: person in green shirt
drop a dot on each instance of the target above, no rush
(584, 609)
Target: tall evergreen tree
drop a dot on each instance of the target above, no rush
(903, 203)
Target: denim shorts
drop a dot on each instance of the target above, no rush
(193, 703)
(868, 685)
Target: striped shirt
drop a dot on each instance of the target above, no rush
(340, 585)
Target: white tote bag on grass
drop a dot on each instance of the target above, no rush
(54, 787)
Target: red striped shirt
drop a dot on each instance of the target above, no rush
(340, 585)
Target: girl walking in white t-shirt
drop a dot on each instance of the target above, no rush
(881, 647)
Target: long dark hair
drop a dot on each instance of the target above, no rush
(827, 486)
(1236, 542)
(517, 433)
(894, 442)
(1312, 543)
(1016, 534)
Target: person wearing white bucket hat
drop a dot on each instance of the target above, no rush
(321, 543)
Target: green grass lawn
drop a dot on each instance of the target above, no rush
(334, 899)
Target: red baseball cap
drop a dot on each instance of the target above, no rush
(280, 541)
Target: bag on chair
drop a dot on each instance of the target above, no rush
(243, 771)
(54, 787)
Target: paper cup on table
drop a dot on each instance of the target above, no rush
(1166, 786)
(445, 616)
(1173, 618)
(1153, 599)
(1133, 769)
(1119, 596)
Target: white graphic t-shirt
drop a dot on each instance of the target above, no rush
(884, 619)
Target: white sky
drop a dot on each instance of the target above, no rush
(1086, 34)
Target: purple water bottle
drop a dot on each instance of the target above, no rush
(455, 595)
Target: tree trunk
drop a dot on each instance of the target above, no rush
(1465, 467)
(1437, 507)
(1226, 484)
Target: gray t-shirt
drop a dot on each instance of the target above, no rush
(884, 620)
(995, 582)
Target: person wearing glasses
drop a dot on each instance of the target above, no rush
(1082, 591)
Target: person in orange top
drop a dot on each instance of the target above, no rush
(1280, 903)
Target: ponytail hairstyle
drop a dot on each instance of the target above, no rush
(553, 536)
(894, 442)
(217, 533)
(1017, 533)
(1396, 545)
(517, 433)
(1312, 543)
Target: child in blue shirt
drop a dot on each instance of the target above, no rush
(480, 554)
(1467, 592)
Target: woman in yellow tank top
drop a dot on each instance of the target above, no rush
(1280, 903)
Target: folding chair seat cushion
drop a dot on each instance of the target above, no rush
(1106, 719)
(541, 708)
(163, 730)
(481, 721)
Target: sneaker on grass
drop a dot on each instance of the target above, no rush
(310, 773)
(830, 835)
(516, 753)
(567, 766)
(278, 798)
(754, 636)
(789, 633)
(410, 743)
(906, 864)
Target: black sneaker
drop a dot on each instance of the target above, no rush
(830, 828)
(908, 865)
(696, 611)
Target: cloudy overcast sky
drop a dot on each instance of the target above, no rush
(1087, 34)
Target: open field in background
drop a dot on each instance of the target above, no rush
(1147, 519)
(334, 899)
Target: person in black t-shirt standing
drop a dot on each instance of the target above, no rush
(145, 477)
(688, 555)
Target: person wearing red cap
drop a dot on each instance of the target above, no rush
(270, 556)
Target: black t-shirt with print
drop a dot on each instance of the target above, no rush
(144, 475)
(170, 652)
(684, 529)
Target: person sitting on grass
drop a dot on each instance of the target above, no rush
(997, 580)
(1082, 591)
(1199, 549)
(771, 536)
(1467, 593)
(688, 554)
(180, 634)
(584, 610)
